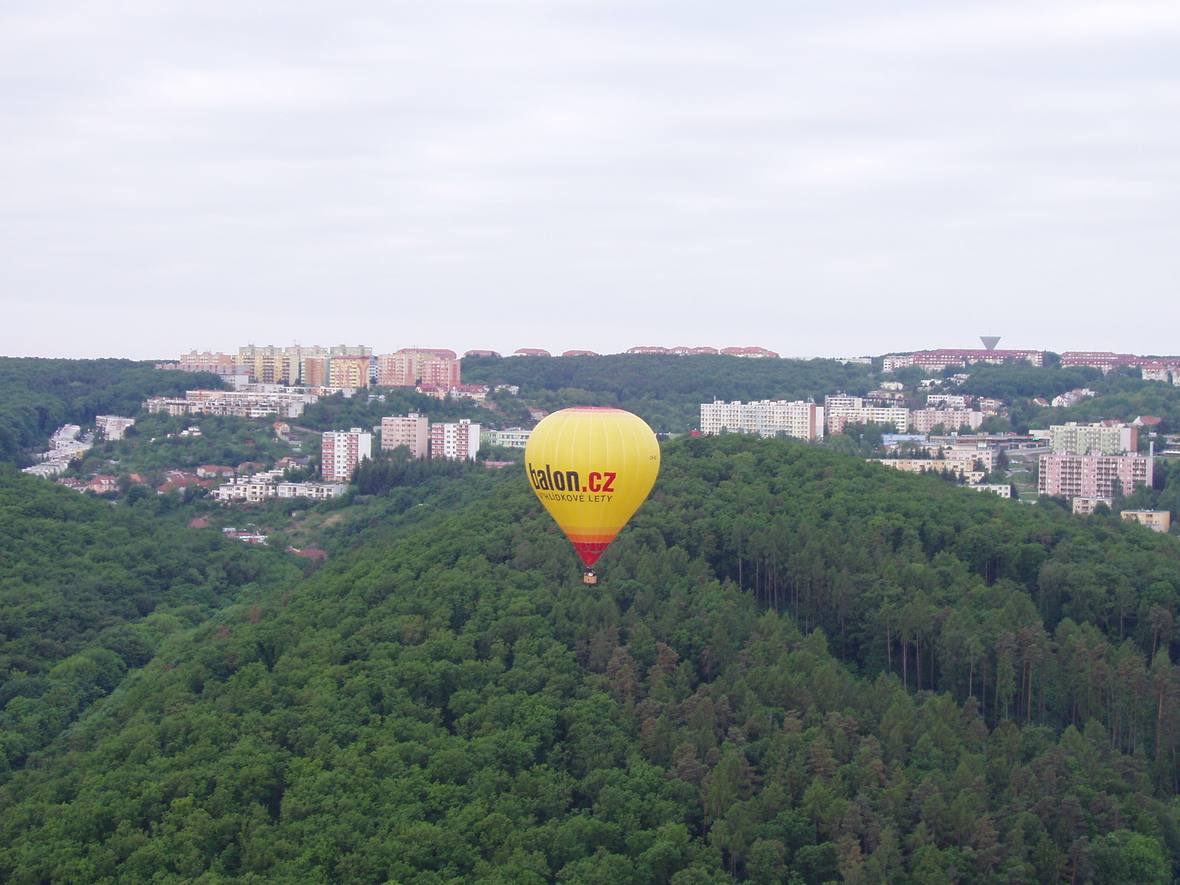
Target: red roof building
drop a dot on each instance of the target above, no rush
(580, 353)
(475, 353)
(531, 351)
(103, 484)
(755, 352)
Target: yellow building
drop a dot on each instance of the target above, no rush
(349, 371)
(933, 465)
(1156, 520)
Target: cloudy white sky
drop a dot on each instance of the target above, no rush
(814, 177)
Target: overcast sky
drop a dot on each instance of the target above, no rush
(817, 178)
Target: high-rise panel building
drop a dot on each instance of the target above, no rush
(456, 442)
(410, 367)
(204, 361)
(348, 371)
(841, 409)
(314, 371)
(1102, 438)
(1092, 476)
(342, 451)
(798, 419)
(411, 431)
(925, 420)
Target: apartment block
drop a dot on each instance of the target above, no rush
(267, 364)
(798, 419)
(925, 420)
(455, 442)
(1003, 489)
(1087, 506)
(1092, 476)
(946, 401)
(509, 438)
(1156, 520)
(411, 431)
(843, 401)
(112, 427)
(342, 451)
(205, 361)
(932, 465)
(317, 491)
(839, 417)
(348, 371)
(1101, 438)
(410, 367)
(315, 370)
(241, 404)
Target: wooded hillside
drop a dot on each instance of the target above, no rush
(798, 667)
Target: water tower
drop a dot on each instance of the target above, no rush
(990, 341)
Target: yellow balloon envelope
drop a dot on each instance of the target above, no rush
(592, 468)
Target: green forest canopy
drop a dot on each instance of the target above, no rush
(798, 667)
(666, 391)
(39, 395)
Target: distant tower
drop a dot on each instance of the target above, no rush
(990, 341)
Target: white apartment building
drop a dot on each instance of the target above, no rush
(946, 401)
(842, 401)
(112, 427)
(455, 442)
(1100, 438)
(509, 438)
(798, 419)
(317, 491)
(1003, 489)
(411, 431)
(251, 490)
(342, 451)
(241, 404)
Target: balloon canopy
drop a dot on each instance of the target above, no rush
(592, 467)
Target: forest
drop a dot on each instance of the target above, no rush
(666, 391)
(797, 667)
(87, 594)
(39, 395)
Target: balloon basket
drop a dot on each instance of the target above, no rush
(588, 577)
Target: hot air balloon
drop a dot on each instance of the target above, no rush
(592, 468)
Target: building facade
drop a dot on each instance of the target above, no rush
(1156, 520)
(509, 438)
(798, 419)
(317, 491)
(1102, 438)
(410, 367)
(839, 417)
(937, 360)
(411, 431)
(457, 441)
(204, 361)
(348, 371)
(1092, 476)
(112, 427)
(240, 404)
(342, 451)
(925, 420)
